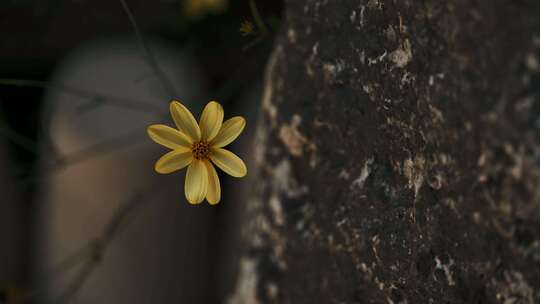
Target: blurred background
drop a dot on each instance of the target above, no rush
(83, 216)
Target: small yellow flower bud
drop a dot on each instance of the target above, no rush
(247, 28)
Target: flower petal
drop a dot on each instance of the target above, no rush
(229, 131)
(196, 185)
(228, 162)
(185, 121)
(214, 189)
(211, 120)
(173, 161)
(168, 137)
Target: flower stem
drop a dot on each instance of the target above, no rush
(257, 17)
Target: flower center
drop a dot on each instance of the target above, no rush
(201, 150)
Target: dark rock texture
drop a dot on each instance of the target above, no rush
(398, 156)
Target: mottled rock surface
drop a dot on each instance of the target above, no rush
(398, 156)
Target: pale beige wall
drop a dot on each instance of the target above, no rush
(164, 253)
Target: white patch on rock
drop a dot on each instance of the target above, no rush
(259, 144)
(272, 290)
(414, 172)
(367, 88)
(446, 269)
(362, 18)
(344, 174)
(372, 61)
(515, 289)
(375, 4)
(292, 138)
(285, 182)
(532, 62)
(246, 288)
(277, 210)
(314, 51)
(407, 79)
(403, 55)
(364, 174)
(418, 181)
(267, 99)
(309, 62)
(363, 57)
(333, 69)
(291, 34)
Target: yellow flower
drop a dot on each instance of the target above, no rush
(197, 146)
(247, 28)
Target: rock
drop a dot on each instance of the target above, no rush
(450, 208)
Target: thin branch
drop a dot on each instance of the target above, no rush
(111, 100)
(92, 253)
(77, 283)
(257, 17)
(167, 84)
(17, 138)
(102, 244)
(252, 43)
(81, 255)
(76, 258)
(97, 150)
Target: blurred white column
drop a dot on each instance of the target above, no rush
(162, 253)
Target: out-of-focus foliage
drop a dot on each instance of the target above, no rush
(198, 8)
